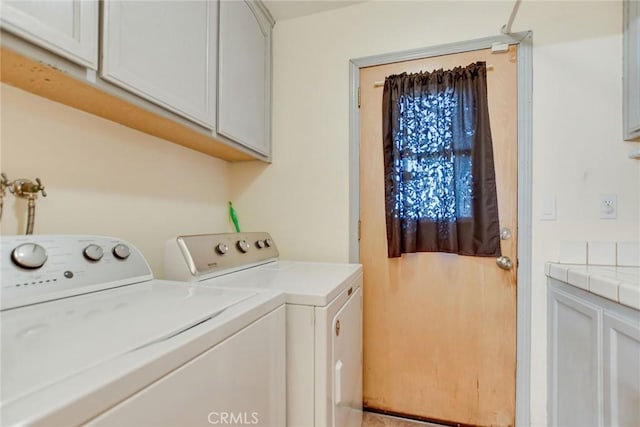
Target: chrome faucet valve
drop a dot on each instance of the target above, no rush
(27, 189)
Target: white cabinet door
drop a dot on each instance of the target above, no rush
(66, 27)
(244, 75)
(622, 371)
(575, 361)
(163, 51)
(631, 69)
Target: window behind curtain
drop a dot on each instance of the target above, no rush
(439, 175)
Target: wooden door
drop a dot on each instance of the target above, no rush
(440, 329)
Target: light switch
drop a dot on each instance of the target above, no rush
(608, 206)
(548, 211)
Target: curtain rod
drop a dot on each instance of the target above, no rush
(506, 28)
(380, 83)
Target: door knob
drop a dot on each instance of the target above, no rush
(504, 262)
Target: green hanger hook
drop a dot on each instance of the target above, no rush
(234, 217)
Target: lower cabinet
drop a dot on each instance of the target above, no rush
(621, 371)
(574, 341)
(594, 360)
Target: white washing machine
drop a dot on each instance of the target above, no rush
(323, 312)
(90, 338)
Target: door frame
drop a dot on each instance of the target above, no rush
(524, 41)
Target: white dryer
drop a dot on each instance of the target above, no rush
(89, 337)
(323, 312)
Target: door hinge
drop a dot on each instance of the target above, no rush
(358, 96)
(359, 229)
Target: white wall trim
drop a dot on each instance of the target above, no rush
(525, 174)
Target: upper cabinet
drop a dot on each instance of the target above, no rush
(163, 51)
(194, 71)
(244, 74)
(68, 28)
(631, 70)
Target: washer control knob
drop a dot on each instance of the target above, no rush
(93, 252)
(121, 251)
(268, 242)
(243, 246)
(29, 255)
(222, 249)
(260, 244)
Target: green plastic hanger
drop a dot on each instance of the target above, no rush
(234, 217)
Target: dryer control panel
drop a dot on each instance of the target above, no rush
(202, 256)
(39, 268)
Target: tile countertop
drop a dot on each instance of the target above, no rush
(618, 284)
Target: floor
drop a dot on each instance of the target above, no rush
(369, 419)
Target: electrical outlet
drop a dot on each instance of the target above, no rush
(608, 206)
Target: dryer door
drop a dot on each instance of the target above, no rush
(346, 352)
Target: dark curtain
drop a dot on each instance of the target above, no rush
(440, 185)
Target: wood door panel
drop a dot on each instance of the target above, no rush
(440, 329)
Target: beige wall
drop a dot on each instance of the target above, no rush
(578, 149)
(103, 178)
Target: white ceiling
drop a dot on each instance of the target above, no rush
(287, 9)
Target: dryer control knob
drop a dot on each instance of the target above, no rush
(93, 252)
(222, 249)
(268, 242)
(243, 246)
(29, 255)
(260, 244)
(121, 251)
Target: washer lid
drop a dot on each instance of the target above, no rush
(304, 283)
(45, 343)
